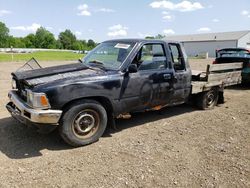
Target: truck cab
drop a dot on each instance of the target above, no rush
(157, 73)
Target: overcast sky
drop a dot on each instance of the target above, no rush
(105, 19)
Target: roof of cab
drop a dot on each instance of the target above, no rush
(139, 40)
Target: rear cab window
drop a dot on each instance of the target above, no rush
(177, 57)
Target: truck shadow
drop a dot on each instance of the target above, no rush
(240, 87)
(140, 118)
(19, 142)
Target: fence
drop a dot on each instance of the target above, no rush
(30, 50)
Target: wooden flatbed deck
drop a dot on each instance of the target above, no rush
(216, 75)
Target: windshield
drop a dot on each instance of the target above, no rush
(109, 55)
(234, 53)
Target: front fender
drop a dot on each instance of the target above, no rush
(59, 95)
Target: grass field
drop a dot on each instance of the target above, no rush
(40, 56)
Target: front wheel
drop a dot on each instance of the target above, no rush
(83, 123)
(207, 100)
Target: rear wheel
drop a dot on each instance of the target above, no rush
(83, 123)
(207, 100)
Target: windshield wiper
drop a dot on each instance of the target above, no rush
(98, 64)
(89, 67)
(83, 63)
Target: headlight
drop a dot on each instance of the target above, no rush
(37, 100)
(13, 84)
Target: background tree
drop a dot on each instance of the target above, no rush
(77, 45)
(4, 35)
(84, 43)
(67, 39)
(16, 42)
(58, 44)
(159, 36)
(44, 39)
(29, 41)
(91, 44)
(149, 37)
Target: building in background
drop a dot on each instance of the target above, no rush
(207, 43)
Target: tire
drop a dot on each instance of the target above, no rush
(83, 123)
(208, 100)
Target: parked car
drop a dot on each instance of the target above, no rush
(232, 55)
(116, 78)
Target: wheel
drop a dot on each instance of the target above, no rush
(207, 100)
(83, 123)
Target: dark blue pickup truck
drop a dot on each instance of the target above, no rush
(116, 78)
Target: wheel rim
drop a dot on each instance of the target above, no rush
(210, 98)
(86, 123)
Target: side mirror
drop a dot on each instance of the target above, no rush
(132, 68)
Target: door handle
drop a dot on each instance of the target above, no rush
(167, 76)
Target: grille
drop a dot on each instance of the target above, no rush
(21, 90)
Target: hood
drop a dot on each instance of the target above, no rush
(50, 74)
(36, 73)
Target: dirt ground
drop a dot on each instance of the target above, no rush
(179, 147)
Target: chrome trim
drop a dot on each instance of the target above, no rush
(19, 108)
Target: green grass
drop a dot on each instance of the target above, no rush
(40, 56)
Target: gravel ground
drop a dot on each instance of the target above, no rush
(179, 147)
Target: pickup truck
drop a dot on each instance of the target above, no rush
(116, 78)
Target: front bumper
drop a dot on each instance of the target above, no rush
(25, 114)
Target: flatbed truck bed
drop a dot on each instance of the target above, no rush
(216, 75)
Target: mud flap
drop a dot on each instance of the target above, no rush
(221, 98)
(112, 123)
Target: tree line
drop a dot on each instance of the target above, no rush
(43, 38)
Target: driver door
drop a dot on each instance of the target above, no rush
(151, 85)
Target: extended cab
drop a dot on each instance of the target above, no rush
(116, 78)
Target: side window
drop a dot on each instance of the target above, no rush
(178, 60)
(151, 56)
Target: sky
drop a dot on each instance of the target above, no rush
(107, 19)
